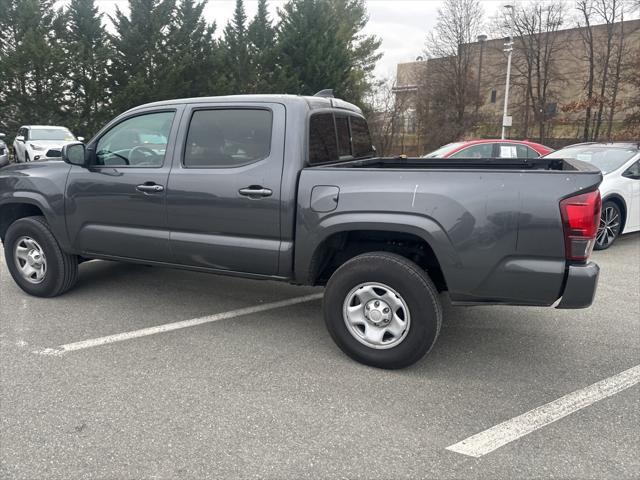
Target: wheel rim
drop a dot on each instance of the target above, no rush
(30, 260)
(376, 315)
(609, 226)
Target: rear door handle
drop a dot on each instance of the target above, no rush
(255, 191)
(150, 187)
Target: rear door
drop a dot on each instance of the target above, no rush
(224, 201)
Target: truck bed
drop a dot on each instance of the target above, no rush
(494, 225)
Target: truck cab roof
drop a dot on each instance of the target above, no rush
(308, 102)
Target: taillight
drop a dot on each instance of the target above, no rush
(580, 218)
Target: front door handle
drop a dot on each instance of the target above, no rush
(255, 191)
(150, 187)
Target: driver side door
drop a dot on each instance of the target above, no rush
(116, 207)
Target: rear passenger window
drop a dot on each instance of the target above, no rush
(344, 136)
(323, 146)
(481, 150)
(227, 138)
(360, 138)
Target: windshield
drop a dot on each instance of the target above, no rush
(607, 159)
(449, 147)
(51, 134)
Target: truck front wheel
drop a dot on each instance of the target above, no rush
(382, 310)
(35, 260)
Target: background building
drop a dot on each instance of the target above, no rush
(549, 98)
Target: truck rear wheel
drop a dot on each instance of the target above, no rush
(35, 260)
(382, 310)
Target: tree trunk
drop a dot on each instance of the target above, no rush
(616, 81)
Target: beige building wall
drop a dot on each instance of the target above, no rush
(570, 69)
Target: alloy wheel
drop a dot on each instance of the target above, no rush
(609, 227)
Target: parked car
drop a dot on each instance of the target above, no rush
(620, 188)
(288, 188)
(4, 152)
(490, 148)
(39, 142)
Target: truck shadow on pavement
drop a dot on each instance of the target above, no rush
(474, 341)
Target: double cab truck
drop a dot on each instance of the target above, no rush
(289, 188)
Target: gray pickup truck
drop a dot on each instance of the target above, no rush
(289, 188)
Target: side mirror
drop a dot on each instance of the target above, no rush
(80, 139)
(74, 154)
(20, 138)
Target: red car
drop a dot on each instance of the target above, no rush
(490, 148)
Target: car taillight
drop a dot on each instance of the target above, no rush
(580, 219)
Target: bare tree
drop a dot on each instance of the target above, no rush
(609, 11)
(535, 26)
(451, 65)
(605, 52)
(585, 7)
(622, 51)
(386, 122)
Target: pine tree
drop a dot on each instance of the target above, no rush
(320, 45)
(363, 49)
(190, 61)
(87, 55)
(235, 52)
(32, 80)
(262, 52)
(140, 50)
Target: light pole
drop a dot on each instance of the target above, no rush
(506, 120)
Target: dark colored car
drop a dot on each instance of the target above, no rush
(490, 148)
(288, 188)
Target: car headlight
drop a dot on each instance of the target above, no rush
(36, 147)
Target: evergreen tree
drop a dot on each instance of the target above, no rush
(235, 52)
(321, 46)
(87, 56)
(140, 51)
(262, 52)
(190, 62)
(32, 80)
(363, 50)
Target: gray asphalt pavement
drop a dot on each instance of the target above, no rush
(268, 395)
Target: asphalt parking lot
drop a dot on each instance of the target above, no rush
(265, 393)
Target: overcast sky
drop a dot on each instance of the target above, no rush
(401, 24)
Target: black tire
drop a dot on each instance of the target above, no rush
(61, 268)
(611, 219)
(413, 286)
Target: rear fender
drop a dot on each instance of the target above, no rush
(308, 241)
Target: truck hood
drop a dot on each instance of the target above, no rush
(36, 167)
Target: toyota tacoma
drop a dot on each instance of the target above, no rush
(289, 188)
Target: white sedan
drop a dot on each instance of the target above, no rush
(39, 142)
(620, 187)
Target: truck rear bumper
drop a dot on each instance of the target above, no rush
(580, 287)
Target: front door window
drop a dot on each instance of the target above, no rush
(136, 142)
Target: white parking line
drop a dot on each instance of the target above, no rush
(168, 327)
(506, 432)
